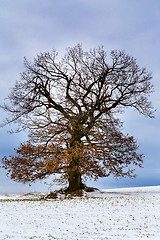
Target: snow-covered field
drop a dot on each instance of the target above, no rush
(128, 214)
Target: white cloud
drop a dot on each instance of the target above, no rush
(28, 27)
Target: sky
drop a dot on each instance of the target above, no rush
(29, 27)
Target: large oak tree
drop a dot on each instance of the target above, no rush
(70, 107)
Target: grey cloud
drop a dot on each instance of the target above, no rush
(28, 27)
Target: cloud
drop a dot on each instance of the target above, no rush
(28, 27)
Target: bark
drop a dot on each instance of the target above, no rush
(75, 181)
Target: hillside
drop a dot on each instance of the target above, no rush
(111, 214)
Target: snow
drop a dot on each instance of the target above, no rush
(132, 213)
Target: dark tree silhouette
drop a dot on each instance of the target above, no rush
(70, 106)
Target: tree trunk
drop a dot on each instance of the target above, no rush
(75, 181)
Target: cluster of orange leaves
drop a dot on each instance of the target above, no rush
(37, 159)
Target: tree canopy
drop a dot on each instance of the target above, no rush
(70, 108)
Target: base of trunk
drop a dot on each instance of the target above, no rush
(75, 182)
(63, 191)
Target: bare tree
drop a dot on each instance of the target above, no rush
(70, 107)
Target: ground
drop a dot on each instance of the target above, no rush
(114, 214)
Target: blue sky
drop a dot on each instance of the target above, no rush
(28, 27)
